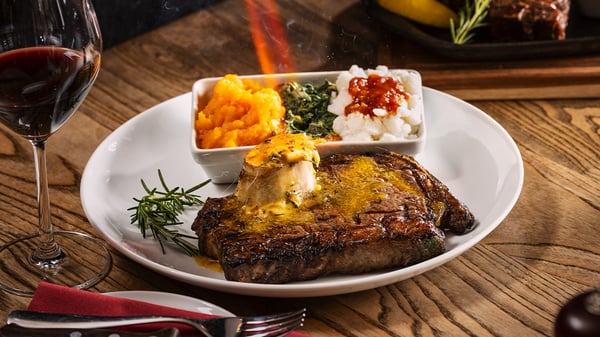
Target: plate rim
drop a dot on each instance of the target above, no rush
(152, 297)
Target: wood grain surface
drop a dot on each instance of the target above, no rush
(510, 284)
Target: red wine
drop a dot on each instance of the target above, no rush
(41, 87)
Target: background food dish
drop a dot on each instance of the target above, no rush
(582, 37)
(465, 149)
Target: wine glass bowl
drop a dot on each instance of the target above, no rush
(45, 88)
(49, 59)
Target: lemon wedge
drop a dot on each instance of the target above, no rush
(427, 12)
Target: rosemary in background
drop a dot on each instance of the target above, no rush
(471, 17)
(158, 211)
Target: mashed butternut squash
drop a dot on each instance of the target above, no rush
(239, 113)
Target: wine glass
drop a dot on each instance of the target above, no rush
(49, 59)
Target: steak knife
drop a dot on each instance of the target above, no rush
(12, 330)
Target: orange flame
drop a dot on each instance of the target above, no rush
(268, 35)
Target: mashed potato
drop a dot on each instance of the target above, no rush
(239, 113)
(379, 123)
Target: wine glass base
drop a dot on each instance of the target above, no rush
(86, 261)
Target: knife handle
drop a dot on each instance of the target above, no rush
(12, 330)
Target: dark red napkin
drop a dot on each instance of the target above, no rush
(59, 299)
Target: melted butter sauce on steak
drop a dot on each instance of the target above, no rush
(372, 211)
(350, 189)
(289, 221)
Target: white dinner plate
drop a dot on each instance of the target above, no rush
(466, 149)
(175, 301)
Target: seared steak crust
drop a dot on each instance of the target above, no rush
(396, 231)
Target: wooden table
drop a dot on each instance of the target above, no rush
(510, 284)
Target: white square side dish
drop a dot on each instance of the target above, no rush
(223, 165)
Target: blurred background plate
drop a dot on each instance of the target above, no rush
(583, 37)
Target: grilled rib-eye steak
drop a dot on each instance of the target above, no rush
(374, 211)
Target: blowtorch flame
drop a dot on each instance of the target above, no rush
(268, 35)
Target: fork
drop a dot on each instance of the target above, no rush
(257, 326)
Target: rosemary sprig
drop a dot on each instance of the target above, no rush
(158, 210)
(471, 17)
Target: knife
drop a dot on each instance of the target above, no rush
(12, 330)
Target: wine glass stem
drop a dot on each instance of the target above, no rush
(47, 254)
